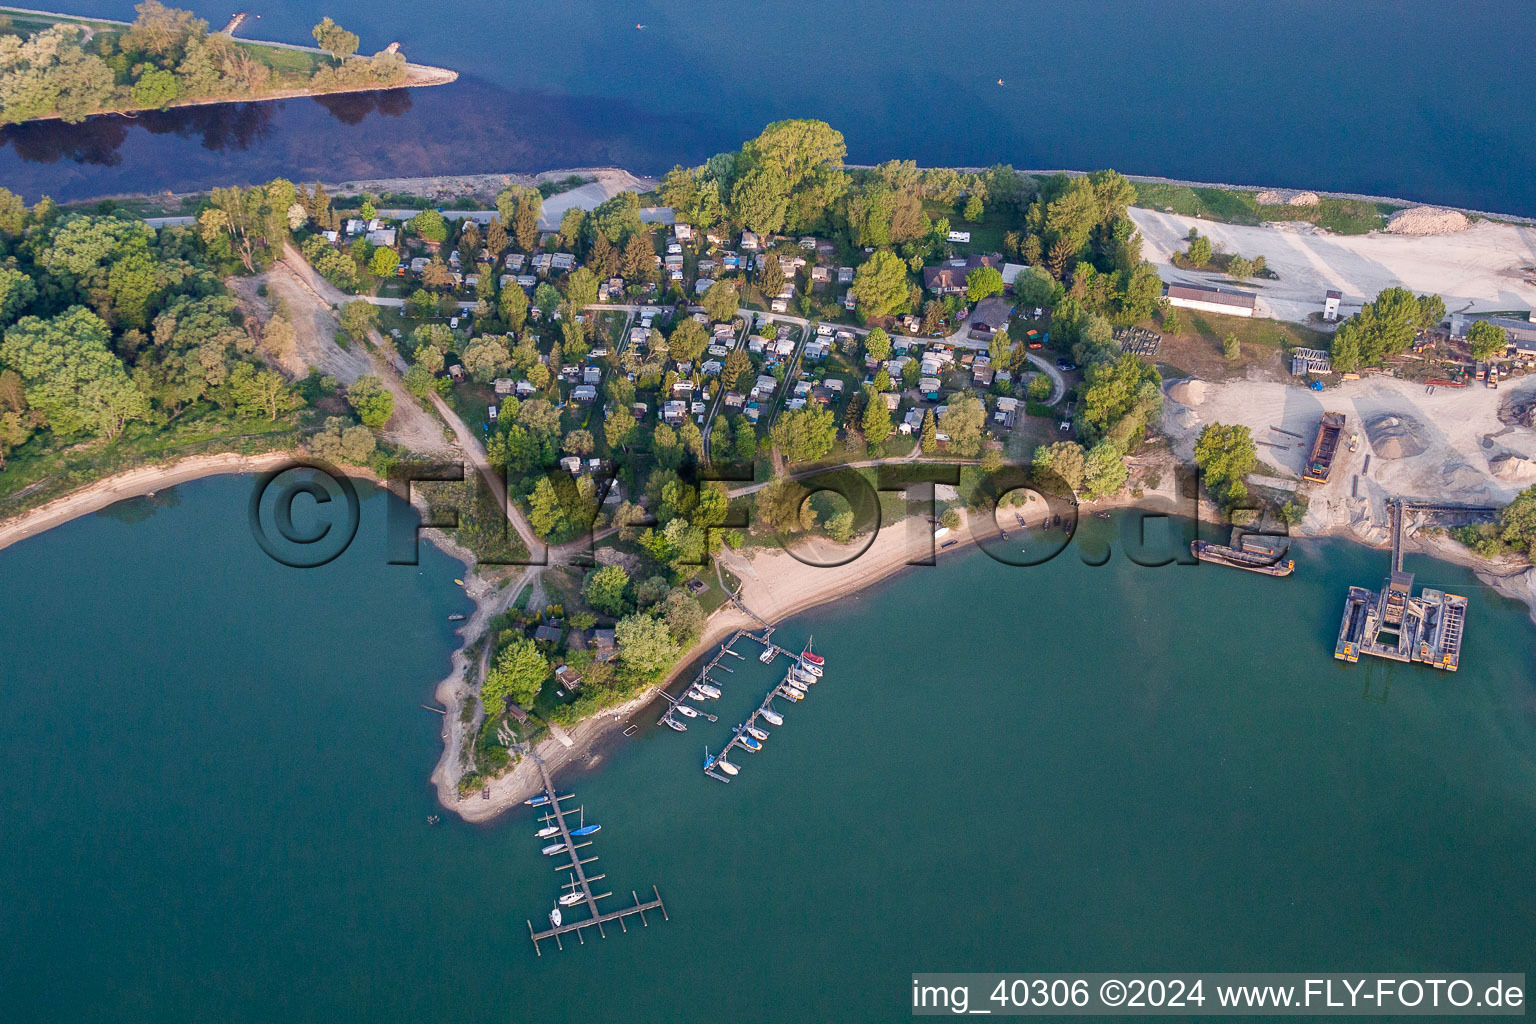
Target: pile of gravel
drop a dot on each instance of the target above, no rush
(1512, 468)
(1395, 437)
(1427, 220)
(1285, 197)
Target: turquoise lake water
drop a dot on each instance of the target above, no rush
(1418, 99)
(213, 784)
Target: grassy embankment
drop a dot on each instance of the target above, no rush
(1234, 206)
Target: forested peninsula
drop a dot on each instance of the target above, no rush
(55, 66)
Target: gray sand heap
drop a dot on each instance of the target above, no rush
(1394, 436)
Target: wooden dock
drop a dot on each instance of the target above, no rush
(582, 882)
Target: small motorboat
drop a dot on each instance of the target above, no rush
(694, 694)
(749, 743)
(537, 801)
(547, 832)
(553, 848)
(790, 693)
(791, 681)
(586, 830)
(768, 655)
(570, 899)
(712, 692)
(674, 724)
(726, 766)
(554, 917)
(771, 717)
(459, 582)
(685, 710)
(756, 733)
(457, 617)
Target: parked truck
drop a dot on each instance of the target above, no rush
(1324, 447)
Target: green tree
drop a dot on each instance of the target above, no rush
(982, 282)
(1231, 348)
(358, 318)
(334, 40)
(805, 435)
(880, 286)
(1226, 455)
(1486, 340)
(1104, 471)
(17, 291)
(258, 392)
(513, 305)
(430, 226)
(371, 400)
(760, 199)
(1063, 460)
(770, 277)
(1199, 252)
(778, 505)
(155, 90)
(973, 209)
(1240, 267)
(619, 428)
(964, 421)
(688, 341)
(518, 675)
(486, 358)
(720, 301)
(1034, 287)
(1517, 523)
(876, 421)
(929, 437)
(70, 375)
(877, 345)
(645, 645)
(581, 288)
(1171, 322)
(797, 149)
(605, 591)
(383, 262)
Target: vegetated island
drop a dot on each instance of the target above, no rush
(57, 66)
(765, 315)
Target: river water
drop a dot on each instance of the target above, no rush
(213, 784)
(1410, 99)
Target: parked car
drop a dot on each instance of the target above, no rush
(1065, 364)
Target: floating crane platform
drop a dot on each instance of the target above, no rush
(1394, 624)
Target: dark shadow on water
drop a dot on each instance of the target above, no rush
(354, 107)
(470, 126)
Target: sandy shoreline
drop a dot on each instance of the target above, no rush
(132, 484)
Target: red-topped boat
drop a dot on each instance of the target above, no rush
(810, 657)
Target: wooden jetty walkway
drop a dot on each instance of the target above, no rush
(582, 882)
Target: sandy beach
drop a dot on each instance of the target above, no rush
(132, 484)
